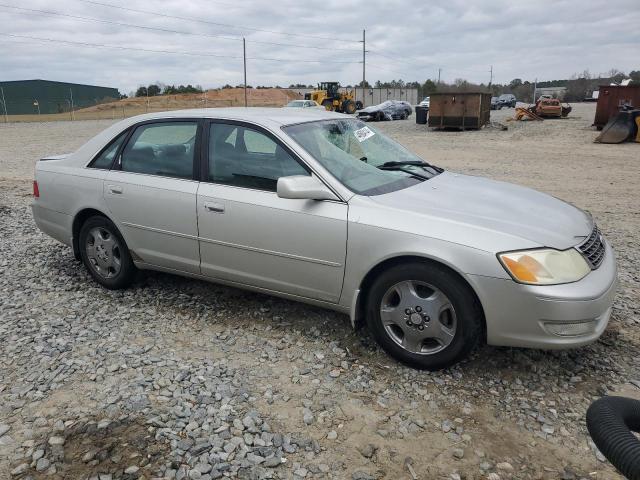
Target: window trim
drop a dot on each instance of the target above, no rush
(204, 167)
(197, 146)
(125, 133)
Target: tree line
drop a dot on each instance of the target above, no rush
(578, 87)
(159, 88)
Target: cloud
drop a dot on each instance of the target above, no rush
(409, 40)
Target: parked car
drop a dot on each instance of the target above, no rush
(389, 110)
(507, 100)
(304, 104)
(321, 208)
(495, 103)
(425, 102)
(407, 105)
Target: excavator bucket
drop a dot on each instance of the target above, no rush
(618, 129)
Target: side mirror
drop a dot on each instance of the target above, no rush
(304, 187)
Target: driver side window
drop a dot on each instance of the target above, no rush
(245, 157)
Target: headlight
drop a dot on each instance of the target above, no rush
(545, 266)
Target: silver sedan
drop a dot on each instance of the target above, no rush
(319, 207)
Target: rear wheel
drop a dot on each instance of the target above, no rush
(105, 254)
(359, 105)
(423, 315)
(349, 106)
(328, 105)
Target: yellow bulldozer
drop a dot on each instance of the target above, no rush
(330, 97)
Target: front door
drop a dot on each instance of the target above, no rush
(151, 194)
(250, 235)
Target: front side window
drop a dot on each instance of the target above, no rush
(364, 160)
(105, 159)
(245, 157)
(166, 149)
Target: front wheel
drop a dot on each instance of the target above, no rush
(423, 315)
(105, 254)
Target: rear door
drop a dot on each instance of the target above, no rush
(250, 235)
(151, 193)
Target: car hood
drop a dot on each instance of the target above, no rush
(489, 205)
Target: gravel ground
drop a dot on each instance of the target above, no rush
(177, 378)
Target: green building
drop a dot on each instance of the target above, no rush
(25, 97)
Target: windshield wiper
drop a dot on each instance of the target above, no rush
(413, 163)
(399, 168)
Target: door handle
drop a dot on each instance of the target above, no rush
(115, 189)
(214, 207)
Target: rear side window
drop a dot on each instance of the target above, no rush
(166, 149)
(105, 159)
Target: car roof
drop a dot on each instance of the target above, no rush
(271, 118)
(265, 116)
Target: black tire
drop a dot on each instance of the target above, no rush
(328, 105)
(468, 313)
(359, 105)
(349, 106)
(610, 421)
(127, 270)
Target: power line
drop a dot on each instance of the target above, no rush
(166, 30)
(174, 52)
(200, 20)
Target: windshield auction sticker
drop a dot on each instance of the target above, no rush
(363, 133)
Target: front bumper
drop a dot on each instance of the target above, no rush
(520, 315)
(366, 117)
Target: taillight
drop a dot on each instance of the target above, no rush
(36, 190)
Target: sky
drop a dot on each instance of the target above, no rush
(308, 42)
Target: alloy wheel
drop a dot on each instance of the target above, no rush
(418, 317)
(104, 252)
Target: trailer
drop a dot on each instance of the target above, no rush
(460, 110)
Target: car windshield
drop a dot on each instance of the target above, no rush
(295, 103)
(356, 155)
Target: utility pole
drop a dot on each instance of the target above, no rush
(244, 57)
(71, 96)
(439, 71)
(490, 75)
(4, 104)
(364, 63)
(147, 90)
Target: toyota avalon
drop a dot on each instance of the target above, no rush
(320, 208)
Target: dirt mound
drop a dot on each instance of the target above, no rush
(223, 97)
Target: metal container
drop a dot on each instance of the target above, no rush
(462, 110)
(613, 97)
(421, 115)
